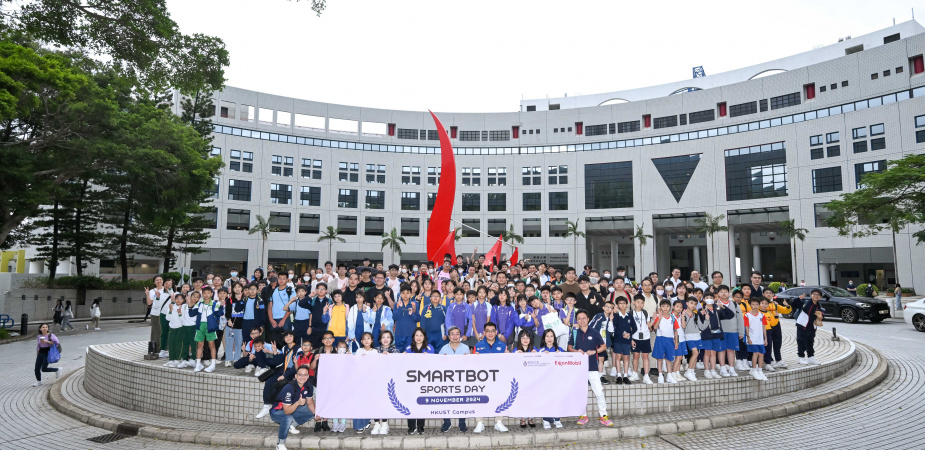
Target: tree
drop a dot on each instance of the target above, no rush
(710, 225)
(458, 235)
(642, 239)
(511, 237)
(573, 232)
(394, 241)
(46, 245)
(262, 227)
(331, 234)
(788, 228)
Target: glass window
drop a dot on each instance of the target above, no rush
(821, 214)
(756, 172)
(862, 169)
(532, 176)
(411, 201)
(280, 222)
(815, 140)
(471, 202)
(531, 201)
(497, 201)
(920, 136)
(238, 219)
(878, 144)
(471, 227)
(209, 216)
(281, 194)
(827, 180)
(558, 201)
(676, 171)
(375, 199)
(309, 223)
(860, 146)
(226, 110)
(609, 185)
(347, 225)
(433, 176)
(557, 227)
(533, 228)
(816, 153)
(410, 226)
(920, 121)
(239, 190)
(247, 156)
(859, 133)
(496, 227)
(876, 129)
(373, 226)
(236, 154)
(310, 196)
(431, 200)
(834, 150)
(831, 137)
(347, 198)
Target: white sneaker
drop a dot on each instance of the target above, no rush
(744, 365)
(613, 372)
(198, 367)
(263, 412)
(756, 374)
(646, 379)
(479, 427)
(376, 428)
(227, 363)
(249, 368)
(732, 372)
(780, 365)
(211, 367)
(723, 372)
(803, 361)
(500, 427)
(670, 379)
(812, 361)
(190, 363)
(171, 364)
(180, 364)
(558, 424)
(384, 429)
(59, 372)
(163, 354)
(691, 375)
(260, 371)
(763, 376)
(293, 430)
(699, 366)
(546, 425)
(661, 378)
(634, 376)
(770, 367)
(37, 383)
(281, 447)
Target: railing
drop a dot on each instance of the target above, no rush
(6, 321)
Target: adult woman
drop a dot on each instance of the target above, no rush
(44, 341)
(234, 314)
(59, 309)
(258, 275)
(95, 315)
(158, 298)
(898, 293)
(66, 316)
(419, 342)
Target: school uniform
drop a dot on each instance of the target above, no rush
(754, 329)
(774, 336)
(255, 315)
(682, 339)
(160, 332)
(175, 335)
(642, 337)
(381, 317)
(405, 322)
(505, 317)
(433, 321)
(338, 321)
(692, 328)
(733, 330)
(623, 323)
(317, 323)
(260, 358)
(357, 323)
(277, 302)
(712, 336)
(301, 310)
(665, 329)
(523, 320)
(207, 320)
(459, 315)
(482, 313)
(604, 326)
(188, 332)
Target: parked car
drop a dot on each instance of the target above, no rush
(914, 314)
(838, 302)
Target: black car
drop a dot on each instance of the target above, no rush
(838, 302)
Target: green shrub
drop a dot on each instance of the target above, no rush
(863, 287)
(909, 291)
(774, 286)
(130, 285)
(175, 276)
(78, 282)
(4, 333)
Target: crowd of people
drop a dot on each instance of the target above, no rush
(276, 326)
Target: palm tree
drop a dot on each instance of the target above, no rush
(331, 234)
(262, 227)
(511, 237)
(572, 232)
(788, 229)
(642, 238)
(394, 241)
(711, 225)
(458, 235)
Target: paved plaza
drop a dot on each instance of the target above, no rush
(876, 418)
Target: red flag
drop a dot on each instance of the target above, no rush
(495, 252)
(447, 247)
(515, 257)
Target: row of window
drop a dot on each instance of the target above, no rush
(829, 179)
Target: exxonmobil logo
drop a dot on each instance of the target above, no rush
(568, 363)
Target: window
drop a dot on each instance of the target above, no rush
(876, 130)
(862, 169)
(410, 201)
(375, 199)
(283, 119)
(920, 121)
(247, 168)
(609, 185)
(877, 144)
(226, 110)
(433, 176)
(533, 228)
(471, 227)
(471, 202)
(497, 201)
(216, 151)
(236, 154)
(596, 130)
(531, 201)
(265, 116)
(784, 101)
(666, 122)
(247, 156)
(756, 172)
(410, 227)
(347, 198)
(431, 200)
(411, 175)
(822, 214)
(532, 176)
(374, 128)
(209, 216)
(743, 109)
(280, 222)
(500, 135)
(860, 146)
(347, 225)
(683, 119)
(816, 153)
(920, 136)
(815, 140)
(676, 171)
(311, 168)
(886, 73)
(827, 180)
(558, 174)
(344, 126)
(239, 190)
(375, 173)
(471, 176)
(213, 192)
(432, 135)
(238, 219)
(234, 166)
(763, 105)
(558, 227)
(247, 113)
(278, 161)
(831, 151)
(831, 137)
(496, 227)
(407, 133)
(310, 196)
(859, 133)
(373, 226)
(348, 172)
(281, 194)
(306, 122)
(558, 201)
(628, 127)
(497, 176)
(309, 223)
(276, 170)
(469, 135)
(701, 116)
(612, 128)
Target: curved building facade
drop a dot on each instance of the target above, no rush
(759, 150)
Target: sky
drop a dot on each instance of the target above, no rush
(485, 56)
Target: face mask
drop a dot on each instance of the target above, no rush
(318, 276)
(510, 285)
(234, 274)
(594, 280)
(611, 289)
(620, 274)
(306, 278)
(291, 275)
(341, 350)
(607, 276)
(708, 301)
(660, 292)
(403, 270)
(415, 268)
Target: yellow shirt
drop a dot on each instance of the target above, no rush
(772, 314)
(338, 323)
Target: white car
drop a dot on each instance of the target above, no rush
(914, 314)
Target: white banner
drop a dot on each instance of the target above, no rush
(422, 386)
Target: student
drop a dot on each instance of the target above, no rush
(692, 327)
(806, 334)
(337, 316)
(434, 320)
(549, 345)
(755, 322)
(624, 328)
(523, 316)
(366, 348)
(157, 298)
(641, 345)
(524, 344)
(454, 347)
(207, 313)
(419, 345)
(95, 315)
(381, 317)
(666, 340)
(44, 341)
(569, 311)
(459, 313)
(544, 315)
(505, 317)
(283, 367)
(482, 313)
(175, 336)
(254, 310)
(327, 348)
(733, 331)
(234, 335)
(603, 323)
(66, 316)
(301, 308)
(490, 344)
(59, 309)
(251, 356)
(188, 316)
(406, 315)
(774, 339)
(743, 356)
(712, 337)
(587, 341)
(293, 404)
(277, 314)
(681, 351)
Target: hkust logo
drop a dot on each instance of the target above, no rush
(470, 387)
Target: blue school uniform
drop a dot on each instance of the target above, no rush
(405, 322)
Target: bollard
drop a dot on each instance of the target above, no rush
(23, 324)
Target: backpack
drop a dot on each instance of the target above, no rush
(278, 387)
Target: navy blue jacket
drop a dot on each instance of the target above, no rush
(623, 325)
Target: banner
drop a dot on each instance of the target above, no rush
(423, 386)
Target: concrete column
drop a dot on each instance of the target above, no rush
(614, 256)
(756, 257)
(595, 253)
(824, 276)
(663, 253)
(833, 275)
(745, 255)
(696, 265)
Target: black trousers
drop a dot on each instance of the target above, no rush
(773, 338)
(416, 424)
(805, 338)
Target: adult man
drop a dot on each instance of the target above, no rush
(675, 278)
(341, 276)
(490, 344)
(697, 282)
(543, 276)
(756, 285)
(570, 284)
(365, 282)
(267, 290)
(276, 311)
(233, 279)
(621, 273)
(586, 299)
(293, 404)
(713, 289)
(350, 293)
(455, 347)
(380, 288)
(589, 342)
(366, 262)
(852, 288)
(810, 317)
(329, 275)
(619, 290)
(393, 282)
